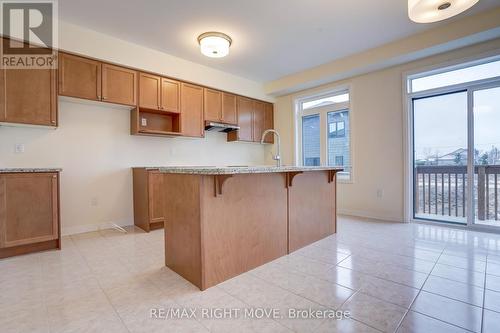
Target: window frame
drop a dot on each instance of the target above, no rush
(344, 177)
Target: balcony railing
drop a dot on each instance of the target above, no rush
(441, 190)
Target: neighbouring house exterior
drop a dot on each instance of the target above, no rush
(338, 139)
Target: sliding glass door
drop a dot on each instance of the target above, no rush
(454, 133)
(456, 156)
(440, 157)
(486, 143)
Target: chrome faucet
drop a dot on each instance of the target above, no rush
(276, 157)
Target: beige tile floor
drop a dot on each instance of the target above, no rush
(389, 276)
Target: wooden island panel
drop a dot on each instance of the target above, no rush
(245, 226)
(312, 208)
(222, 225)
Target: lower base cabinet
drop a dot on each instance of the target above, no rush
(29, 213)
(148, 199)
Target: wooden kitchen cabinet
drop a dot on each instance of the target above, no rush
(192, 110)
(149, 91)
(245, 121)
(28, 96)
(29, 212)
(259, 119)
(79, 77)
(119, 85)
(148, 199)
(170, 95)
(157, 93)
(85, 78)
(213, 105)
(254, 117)
(269, 122)
(229, 109)
(220, 107)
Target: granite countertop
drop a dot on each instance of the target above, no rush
(29, 170)
(231, 170)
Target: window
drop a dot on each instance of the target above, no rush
(325, 101)
(323, 133)
(311, 140)
(336, 129)
(447, 77)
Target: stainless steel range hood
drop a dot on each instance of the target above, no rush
(220, 127)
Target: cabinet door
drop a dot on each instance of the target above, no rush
(259, 119)
(245, 119)
(229, 109)
(119, 85)
(29, 96)
(79, 77)
(192, 110)
(149, 91)
(170, 91)
(269, 122)
(155, 197)
(213, 105)
(28, 208)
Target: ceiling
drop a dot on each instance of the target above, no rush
(271, 38)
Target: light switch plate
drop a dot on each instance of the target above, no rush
(19, 148)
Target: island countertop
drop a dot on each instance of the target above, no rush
(29, 170)
(232, 170)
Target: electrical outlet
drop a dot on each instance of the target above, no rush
(380, 193)
(19, 148)
(144, 122)
(94, 202)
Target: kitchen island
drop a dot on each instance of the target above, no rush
(223, 221)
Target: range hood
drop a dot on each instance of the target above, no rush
(220, 127)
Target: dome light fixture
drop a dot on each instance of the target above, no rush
(428, 11)
(214, 44)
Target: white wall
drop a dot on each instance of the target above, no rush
(93, 44)
(377, 134)
(93, 144)
(94, 147)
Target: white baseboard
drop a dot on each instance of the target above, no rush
(370, 215)
(79, 229)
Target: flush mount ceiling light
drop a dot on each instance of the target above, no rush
(427, 11)
(214, 44)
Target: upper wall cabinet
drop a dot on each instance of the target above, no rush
(259, 120)
(254, 117)
(213, 105)
(119, 85)
(269, 122)
(229, 109)
(90, 79)
(245, 121)
(170, 95)
(192, 110)
(28, 96)
(79, 77)
(157, 93)
(149, 91)
(220, 106)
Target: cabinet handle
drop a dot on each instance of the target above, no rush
(103, 97)
(98, 96)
